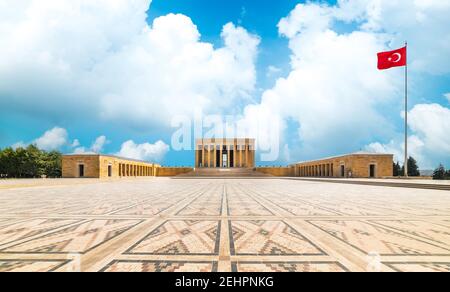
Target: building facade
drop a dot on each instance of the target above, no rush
(105, 166)
(356, 165)
(225, 153)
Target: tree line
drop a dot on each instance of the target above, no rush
(413, 168)
(441, 173)
(29, 162)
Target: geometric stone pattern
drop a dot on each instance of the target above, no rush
(157, 266)
(29, 266)
(288, 267)
(269, 238)
(180, 238)
(206, 225)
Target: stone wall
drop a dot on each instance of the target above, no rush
(347, 166)
(277, 171)
(172, 171)
(97, 166)
(70, 166)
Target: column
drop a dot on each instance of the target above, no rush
(246, 154)
(240, 155)
(215, 155)
(203, 155)
(211, 156)
(229, 155)
(234, 154)
(221, 157)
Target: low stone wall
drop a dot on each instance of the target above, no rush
(277, 171)
(172, 171)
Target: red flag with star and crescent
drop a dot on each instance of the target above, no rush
(396, 58)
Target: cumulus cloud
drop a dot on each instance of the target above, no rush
(273, 70)
(423, 23)
(429, 142)
(52, 139)
(103, 58)
(146, 151)
(333, 90)
(96, 147)
(447, 96)
(334, 95)
(98, 144)
(75, 143)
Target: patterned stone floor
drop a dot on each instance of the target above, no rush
(221, 225)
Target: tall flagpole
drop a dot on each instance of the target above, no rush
(406, 112)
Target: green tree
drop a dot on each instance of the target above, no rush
(447, 174)
(52, 166)
(30, 162)
(8, 163)
(413, 168)
(439, 173)
(397, 169)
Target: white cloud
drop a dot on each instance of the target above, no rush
(423, 23)
(80, 150)
(75, 143)
(52, 139)
(19, 144)
(98, 144)
(431, 122)
(333, 90)
(273, 70)
(447, 96)
(429, 142)
(334, 93)
(101, 58)
(146, 151)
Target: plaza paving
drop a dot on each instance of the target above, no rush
(221, 225)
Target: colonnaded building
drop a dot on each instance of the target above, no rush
(213, 155)
(225, 153)
(102, 166)
(354, 165)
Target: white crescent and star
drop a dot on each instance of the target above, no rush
(391, 58)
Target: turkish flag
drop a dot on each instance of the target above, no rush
(396, 58)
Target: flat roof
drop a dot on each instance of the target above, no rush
(346, 155)
(224, 139)
(108, 155)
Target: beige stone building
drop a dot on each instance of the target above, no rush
(355, 165)
(105, 166)
(225, 153)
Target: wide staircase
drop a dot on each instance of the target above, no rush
(224, 172)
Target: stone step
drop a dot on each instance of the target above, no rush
(224, 172)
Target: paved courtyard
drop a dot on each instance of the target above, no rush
(221, 225)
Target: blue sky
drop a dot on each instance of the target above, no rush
(79, 74)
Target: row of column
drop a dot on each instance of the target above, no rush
(135, 170)
(320, 170)
(208, 157)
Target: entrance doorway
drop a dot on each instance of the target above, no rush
(81, 170)
(342, 170)
(372, 171)
(109, 170)
(225, 160)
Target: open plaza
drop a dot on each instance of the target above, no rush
(224, 224)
